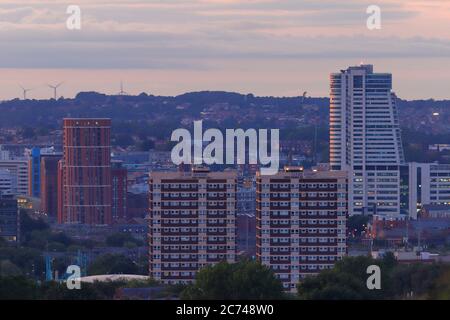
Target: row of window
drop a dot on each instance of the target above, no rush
(158, 186)
(299, 185)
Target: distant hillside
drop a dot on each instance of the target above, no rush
(149, 108)
(143, 107)
(141, 121)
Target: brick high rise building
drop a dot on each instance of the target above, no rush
(85, 177)
(301, 222)
(192, 222)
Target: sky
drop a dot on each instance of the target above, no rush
(264, 47)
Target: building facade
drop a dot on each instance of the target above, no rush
(246, 234)
(301, 222)
(429, 184)
(192, 222)
(9, 218)
(365, 139)
(119, 191)
(246, 197)
(34, 172)
(6, 181)
(18, 168)
(49, 185)
(35, 156)
(85, 178)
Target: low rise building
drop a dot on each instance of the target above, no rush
(18, 168)
(429, 184)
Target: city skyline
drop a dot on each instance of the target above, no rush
(222, 156)
(193, 220)
(264, 47)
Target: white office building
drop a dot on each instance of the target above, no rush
(6, 182)
(429, 184)
(18, 171)
(365, 139)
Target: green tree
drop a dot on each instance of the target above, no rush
(89, 291)
(120, 239)
(60, 237)
(123, 140)
(17, 288)
(146, 145)
(244, 280)
(28, 260)
(56, 247)
(28, 133)
(36, 233)
(416, 279)
(441, 288)
(347, 281)
(113, 264)
(7, 268)
(28, 225)
(58, 291)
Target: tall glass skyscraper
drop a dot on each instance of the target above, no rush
(365, 139)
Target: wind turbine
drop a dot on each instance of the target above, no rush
(121, 92)
(55, 88)
(24, 92)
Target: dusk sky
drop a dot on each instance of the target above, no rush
(265, 47)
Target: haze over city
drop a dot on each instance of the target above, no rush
(217, 158)
(265, 47)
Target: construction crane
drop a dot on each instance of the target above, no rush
(82, 261)
(48, 268)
